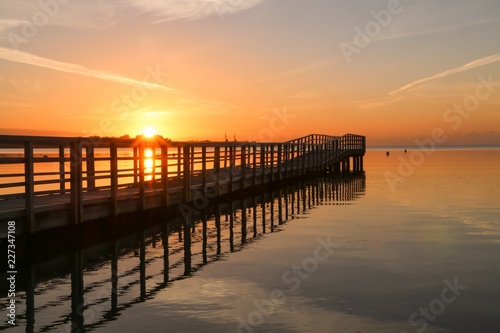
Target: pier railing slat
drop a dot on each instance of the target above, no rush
(29, 187)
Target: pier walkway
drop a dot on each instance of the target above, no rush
(48, 182)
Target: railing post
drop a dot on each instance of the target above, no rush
(114, 178)
(225, 157)
(321, 156)
(204, 170)
(136, 165)
(316, 157)
(244, 222)
(243, 166)
(272, 162)
(336, 157)
(263, 162)
(231, 167)
(279, 161)
(286, 160)
(179, 162)
(304, 154)
(142, 192)
(164, 174)
(186, 197)
(192, 159)
(76, 183)
(248, 155)
(186, 174)
(217, 168)
(29, 186)
(90, 162)
(297, 158)
(332, 155)
(62, 177)
(312, 154)
(254, 165)
(327, 154)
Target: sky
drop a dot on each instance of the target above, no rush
(397, 71)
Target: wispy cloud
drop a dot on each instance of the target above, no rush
(66, 67)
(374, 103)
(6, 24)
(440, 30)
(168, 10)
(185, 98)
(471, 65)
(13, 102)
(300, 70)
(100, 14)
(90, 14)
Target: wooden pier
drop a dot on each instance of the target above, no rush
(49, 182)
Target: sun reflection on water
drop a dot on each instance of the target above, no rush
(149, 164)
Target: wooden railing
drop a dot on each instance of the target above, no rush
(33, 167)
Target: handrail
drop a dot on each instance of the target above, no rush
(94, 153)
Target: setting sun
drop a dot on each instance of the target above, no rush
(149, 132)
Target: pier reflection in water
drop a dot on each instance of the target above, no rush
(92, 285)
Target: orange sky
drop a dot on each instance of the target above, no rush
(260, 69)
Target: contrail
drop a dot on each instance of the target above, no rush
(473, 64)
(66, 67)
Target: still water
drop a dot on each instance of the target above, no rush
(412, 246)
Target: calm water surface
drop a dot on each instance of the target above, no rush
(419, 253)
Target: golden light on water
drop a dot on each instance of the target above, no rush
(149, 163)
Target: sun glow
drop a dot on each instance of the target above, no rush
(149, 132)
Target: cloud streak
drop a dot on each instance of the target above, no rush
(471, 65)
(185, 98)
(66, 67)
(422, 32)
(374, 103)
(169, 10)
